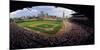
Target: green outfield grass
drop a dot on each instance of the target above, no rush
(44, 26)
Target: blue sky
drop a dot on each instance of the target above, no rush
(34, 11)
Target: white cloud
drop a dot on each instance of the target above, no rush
(51, 10)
